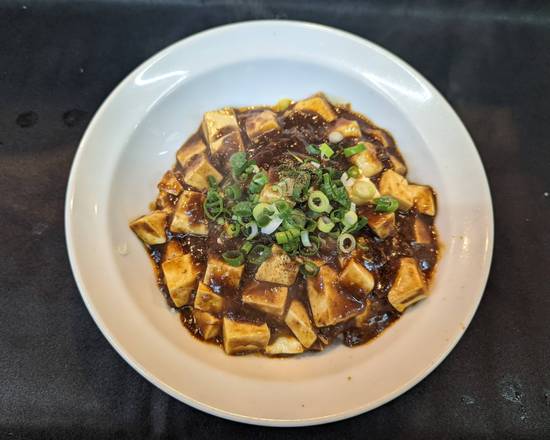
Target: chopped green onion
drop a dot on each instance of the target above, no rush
(282, 105)
(364, 190)
(309, 269)
(350, 218)
(233, 258)
(259, 254)
(238, 163)
(314, 248)
(212, 182)
(318, 202)
(326, 151)
(325, 224)
(312, 149)
(284, 237)
(258, 182)
(304, 236)
(386, 204)
(246, 247)
(361, 223)
(346, 243)
(354, 172)
(250, 230)
(242, 209)
(232, 229)
(213, 204)
(283, 207)
(337, 215)
(262, 213)
(310, 225)
(272, 226)
(296, 219)
(254, 198)
(220, 221)
(233, 192)
(291, 247)
(350, 151)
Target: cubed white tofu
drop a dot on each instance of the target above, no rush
(357, 278)
(261, 123)
(189, 150)
(328, 305)
(189, 215)
(164, 202)
(367, 161)
(284, 344)
(346, 128)
(151, 228)
(364, 316)
(172, 249)
(170, 184)
(362, 191)
(215, 121)
(180, 274)
(198, 170)
(279, 268)
(422, 234)
(398, 166)
(423, 199)
(382, 223)
(316, 104)
(208, 324)
(380, 135)
(268, 298)
(395, 185)
(221, 131)
(207, 301)
(297, 320)
(244, 337)
(221, 277)
(409, 285)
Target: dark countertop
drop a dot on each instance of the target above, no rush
(59, 377)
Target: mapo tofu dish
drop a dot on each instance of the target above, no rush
(283, 229)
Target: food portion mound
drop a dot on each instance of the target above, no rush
(284, 229)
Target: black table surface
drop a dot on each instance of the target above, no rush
(60, 378)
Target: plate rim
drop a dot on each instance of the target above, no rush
(135, 364)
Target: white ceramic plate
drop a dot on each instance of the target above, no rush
(132, 140)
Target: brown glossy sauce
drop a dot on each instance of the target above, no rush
(380, 256)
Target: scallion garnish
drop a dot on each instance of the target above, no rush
(346, 243)
(325, 224)
(318, 202)
(309, 269)
(259, 254)
(233, 258)
(386, 204)
(326, 151)
(350, 151)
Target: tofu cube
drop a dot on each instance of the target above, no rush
(261, 123)
(382, 223)
(422, 234)
(164, 202)
(279, 268)
(357, 278)
(180, 275)
(222, 277)
(227, 144)
(362, 191)
(316, 104)
(244, 337)
(207, 301)
(363, 317)
(209, 325)
(423, 199)
(198, 170)
(151, 228)
(195, 146)
(367, 161)
(398, 166)
(409, 285)
(380, 136)
(170, 184)
(189, 215)
(297, 320)
(346, 128)
(395, 185)
(221, 131)
(284, 344)
(172, 250)
(328, 305)
(268, 298)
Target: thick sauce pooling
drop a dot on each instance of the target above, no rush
(271, 304)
